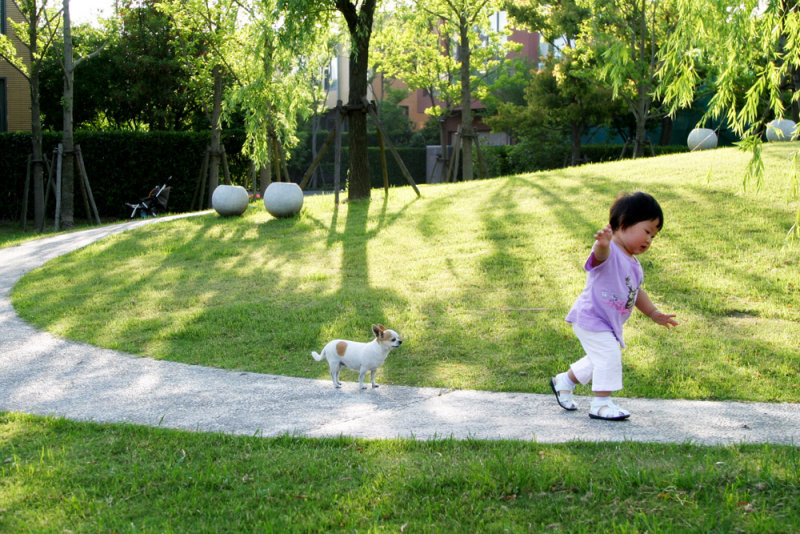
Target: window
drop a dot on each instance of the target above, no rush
(332, 75)
(499, 21)
(3, 107)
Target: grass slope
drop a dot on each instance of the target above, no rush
(476, 276)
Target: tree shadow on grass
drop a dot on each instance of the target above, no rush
(481, 328)
(218, 292)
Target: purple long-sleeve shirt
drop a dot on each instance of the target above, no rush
(610, 293)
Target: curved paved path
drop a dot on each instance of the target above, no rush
(45, 375)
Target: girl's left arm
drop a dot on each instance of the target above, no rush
(646, 306)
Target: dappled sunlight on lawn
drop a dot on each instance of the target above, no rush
(477, 278)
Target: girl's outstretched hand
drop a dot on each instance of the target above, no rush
(603, 237)
(600, 250)
(664, 319)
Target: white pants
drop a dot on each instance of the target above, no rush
(602, 365)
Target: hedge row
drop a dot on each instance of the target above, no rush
(124, 166)
(121, 166)
(517, 159)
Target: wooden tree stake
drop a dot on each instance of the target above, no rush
(399, 160)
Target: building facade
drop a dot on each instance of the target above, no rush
(15, 92)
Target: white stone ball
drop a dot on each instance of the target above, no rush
(283, 199)
(780, 130)
(701, 139)
(230, 200)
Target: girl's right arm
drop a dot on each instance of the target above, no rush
(601, 248)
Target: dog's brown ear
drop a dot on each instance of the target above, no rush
(378, 330)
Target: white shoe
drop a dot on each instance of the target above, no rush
(563, 392)
(607, 411)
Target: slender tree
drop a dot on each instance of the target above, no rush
(302, 16)
(275, 84)
(414, 46)
(69, 64)
(468, 21)
(36, 34)
(214, 23)
(623, 38)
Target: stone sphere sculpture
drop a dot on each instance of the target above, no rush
(780, 130)
(701, 139)
(283, 199)
(230, 200)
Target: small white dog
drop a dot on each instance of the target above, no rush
(361, 357)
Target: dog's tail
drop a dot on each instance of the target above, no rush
(316, 356)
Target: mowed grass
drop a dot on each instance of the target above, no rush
(477, 277)
(60, 476)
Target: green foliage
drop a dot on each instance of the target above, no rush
(509, 84)
(417, 42)
(412, 45)
(554, 21)
(560, 103)
(140, 80)
(156, 68)
(278, 86)
(749, 52)
(621, 40)
(564, 99)
(35, 33)
(394, 118)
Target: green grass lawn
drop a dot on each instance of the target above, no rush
(59, 476)
(477, 277)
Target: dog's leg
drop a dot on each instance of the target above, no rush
(335, 366)
(372, 377)
(361, 373)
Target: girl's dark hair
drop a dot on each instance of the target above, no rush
(630, 209)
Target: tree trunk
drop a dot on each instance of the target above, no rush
(216, 134)
(443, 144)
(68, 167)
(36, 126)
(38, 159)
(666, 131)
(359, 24)
(315, 124)
(264, 178)
(795, 89)
(467, 132)
(640, 113)
(575, 135)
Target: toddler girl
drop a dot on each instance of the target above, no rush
(612, 290)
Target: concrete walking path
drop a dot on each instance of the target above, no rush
(45, 375)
